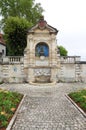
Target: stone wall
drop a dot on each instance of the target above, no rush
(71, 70)
(83, 72)
(13, 73)
(66, 73)
(12, 70)
(0, 73)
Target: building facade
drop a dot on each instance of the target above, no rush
(2, 46)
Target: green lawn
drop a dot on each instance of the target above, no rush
(79, 98)
(9, 102)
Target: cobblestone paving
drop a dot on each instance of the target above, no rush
(47, 108)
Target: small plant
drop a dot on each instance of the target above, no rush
(1, 82)
(8, 104)
(79, 98)
(4, 123)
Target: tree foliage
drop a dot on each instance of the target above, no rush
(62, 51)
(15, 30)
(27, 9)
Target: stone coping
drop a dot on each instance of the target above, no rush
(42, 84)
(82, 112)
(15, 115)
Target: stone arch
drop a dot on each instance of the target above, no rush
(42, 49)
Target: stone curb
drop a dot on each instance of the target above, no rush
(15, 115)
(43, 84)
(82, 112)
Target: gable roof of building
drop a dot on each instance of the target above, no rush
(2, 44)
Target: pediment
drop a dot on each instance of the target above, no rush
(43, 26)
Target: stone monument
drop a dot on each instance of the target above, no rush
(41, 62)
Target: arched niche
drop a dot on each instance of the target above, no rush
(42, 49)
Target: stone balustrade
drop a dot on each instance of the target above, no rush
(69, 59)
(20, 59)
(13, 59)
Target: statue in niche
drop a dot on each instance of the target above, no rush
(41, 51)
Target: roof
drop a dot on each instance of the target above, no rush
(42, 24)
(2, 40)
(3, 44)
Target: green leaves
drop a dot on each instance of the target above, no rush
(14, 13)
(8, 103)
(80, 98)
(21, 8)
(62, 50)
(15, 30)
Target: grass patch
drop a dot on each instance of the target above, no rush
(9, 102)
(79, 98)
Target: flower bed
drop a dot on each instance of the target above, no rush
(9, 102)
(79, 98)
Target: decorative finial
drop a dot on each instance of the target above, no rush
(42, 17)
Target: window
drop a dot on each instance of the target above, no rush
(2, 52)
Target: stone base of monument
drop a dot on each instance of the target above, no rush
(42, 79)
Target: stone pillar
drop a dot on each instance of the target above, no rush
(31, 75)
(29, 59)
(53, 74)
(53, 50)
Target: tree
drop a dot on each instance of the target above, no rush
(62, 50)
(15, 30)
(27, 9)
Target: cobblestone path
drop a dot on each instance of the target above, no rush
(47, 108)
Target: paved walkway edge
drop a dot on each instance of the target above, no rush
(14, 116)
(82, 112)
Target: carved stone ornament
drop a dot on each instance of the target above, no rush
(42, 24)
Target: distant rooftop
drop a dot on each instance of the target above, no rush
(2, 40)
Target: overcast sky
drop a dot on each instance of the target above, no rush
(69, 17)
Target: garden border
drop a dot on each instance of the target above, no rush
(15, 114)
(82, 112)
